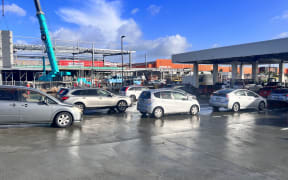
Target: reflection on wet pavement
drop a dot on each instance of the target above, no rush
(109, 145)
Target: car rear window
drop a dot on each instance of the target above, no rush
(63, 92)
(222, 92)
(145, 95)
(280, 91)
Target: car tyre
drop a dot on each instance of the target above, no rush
(194, 110)
(122, 106)
(261, 106)
(215, 109)
(80, 106)
(236, 107)
(158, 112)
(63, 120)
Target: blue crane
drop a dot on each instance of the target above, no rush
(55, 74)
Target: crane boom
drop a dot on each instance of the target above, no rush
(45, 37)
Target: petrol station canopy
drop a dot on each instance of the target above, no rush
(264, 52)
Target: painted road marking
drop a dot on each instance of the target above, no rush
(284, 129)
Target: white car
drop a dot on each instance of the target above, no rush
(236, 99)
(132, 91)
(164, 101)
(96, 98)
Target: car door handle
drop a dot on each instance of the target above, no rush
(25, 105)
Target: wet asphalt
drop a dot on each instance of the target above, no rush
(108, 145)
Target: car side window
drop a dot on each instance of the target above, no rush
(249, 93)
(91, 92)
(240, 93)
(31, 96)
(166, 95)
(179, 96)
(8, 94)
(157, 95)
(50, 101)
(101, 92)
(77, 93)
(132, 89)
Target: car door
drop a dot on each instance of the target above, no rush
(241, 98)
(181, 103)
(32, 107)
(167, 102)
(253, 99)
(9, 110)
(91, 98)
(106, 98)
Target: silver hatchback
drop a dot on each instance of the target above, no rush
(27, 105)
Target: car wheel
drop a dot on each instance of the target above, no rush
(133, 98)
(158, 112)
(80, 106)
(122, 106)
(63, 120)
(215, 109)
(194, 110)
(261, 106)
(236, 107)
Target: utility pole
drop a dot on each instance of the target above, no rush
(3, 8)
(145, 61)
(122, 37)
(92, 68)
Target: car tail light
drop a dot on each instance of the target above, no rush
(227, 96)
(126, 89)
(286, 95)
(64, 98)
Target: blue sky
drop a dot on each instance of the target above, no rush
(158, 27)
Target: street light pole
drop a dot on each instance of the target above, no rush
(122, 37)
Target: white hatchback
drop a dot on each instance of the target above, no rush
(132, 91)
(164, 101)
(237, 99)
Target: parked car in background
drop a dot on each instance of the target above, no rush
(164, 101)
(278, 95)
(251, 85)
(132, 91)
(265, 92)
(96, 98)
(236, 99)
(27, 105)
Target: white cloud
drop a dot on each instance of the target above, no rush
(100, 21)
(154, 9)
(215, 45)
(14, 9)
(134, 11)
(20, 42)
(284, 16)
(163, 47)
(281, 35)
